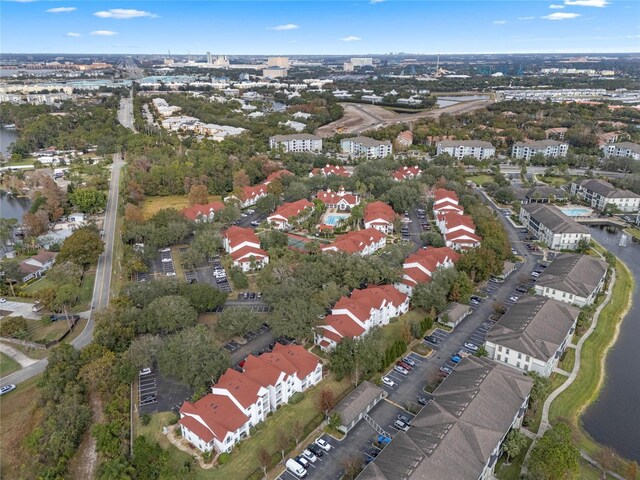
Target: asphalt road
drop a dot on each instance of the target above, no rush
(125, 113)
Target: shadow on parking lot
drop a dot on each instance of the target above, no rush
(170, 394)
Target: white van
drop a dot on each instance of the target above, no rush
(295, 468)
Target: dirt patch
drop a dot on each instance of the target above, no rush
(83, 464)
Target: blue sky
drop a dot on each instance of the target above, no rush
(316, 27)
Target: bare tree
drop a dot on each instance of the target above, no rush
(352, 466)
(326, 401)
(264, 458)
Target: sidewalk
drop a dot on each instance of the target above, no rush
(17, 355)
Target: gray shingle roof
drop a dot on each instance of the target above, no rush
(454, 434)
(295, 136)
(357, 401)
(606, 189)
(535, 326)
(368, 142)
(538, 143)
(465, 143)
(573, 273)
(554, 219)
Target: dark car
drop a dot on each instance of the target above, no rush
(375, 452)
(432, 339)
(521, 290)
(404, 365)
(405, 419)
(317, 451)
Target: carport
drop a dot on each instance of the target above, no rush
(357, 404)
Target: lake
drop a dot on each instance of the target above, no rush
(7, 137)
(13, 207)
(614, 418)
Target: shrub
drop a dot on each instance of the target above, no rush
(296, 398)
(15, 327)
(223, 458)
(145, 419)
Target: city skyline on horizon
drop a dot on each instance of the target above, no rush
(374, 27)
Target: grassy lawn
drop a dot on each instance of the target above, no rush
(634, 232)
(556, 381)
(584, 390)
(587, 472)
(244, 458)
(153, 205)
(393, 331)
(18, 415)
(512, 470)
(480, 179)
(8, 365)
(568, 359)
(86, 289)
(553, 181)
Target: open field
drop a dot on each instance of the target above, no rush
(480, 179)
(153, 205)
(86, 289)
(8, 365)
(18, 415)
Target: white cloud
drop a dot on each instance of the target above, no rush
(556, 7)
(587, 3)
(103, 33)
(124, 13)
(351, 38)
(61, 10)
(286, 26)
(526, 18)
(21, 1)
(561, 16)
(499, 22)
(72, 34)
(375, 1)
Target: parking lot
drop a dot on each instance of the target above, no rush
(161, 265)
(147, 389)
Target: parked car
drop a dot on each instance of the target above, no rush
(388, 382)
(471, 346)
(446, 370)
(409, 361)
(255, 223)
(400, 369)
(521, 290)
(322, 444)
(404, 365)
(456, 358)
(308, 454)
(144, 371)
(474, 302)
(3, 300)
(514, 298)
(432, 339)
(375, 452)
(405, 419)
(476, 298)
(401, 425)
(317, 451)
(422, 400)
(543, 265)
(302, 461)
(295, 468)
(7, 388)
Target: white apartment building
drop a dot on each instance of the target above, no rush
(466, 148)
(243, 245)
(599, 194)
(548, 148)
(533, 334)
(241, 400)
(552, 227)
(622, 149)
(298, 142)
(366, 147)
(574, 279)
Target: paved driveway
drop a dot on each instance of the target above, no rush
(20, 309)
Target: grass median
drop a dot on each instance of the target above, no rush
(571, 403)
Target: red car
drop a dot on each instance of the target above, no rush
(406, 366)
(241, 364)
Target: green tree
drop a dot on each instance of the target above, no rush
(83, 247)
(555, 457)
(432, 239)
(167, 315)
(238, 321)
(514, 444)
(11, 273)
(267, 204)
(190, 356)
(238, 278)
(89, 200)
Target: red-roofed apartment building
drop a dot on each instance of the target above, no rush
(280, 218)
(203, 213)
(241, 400)
(275, 175)
(420, 267)
(459, 231)
(405, 139)
(249, 195)
(446, 201)
(339, 200)
(380, 216)
(355, 315)
(330, 170)
(407, 173)
(365, 242)
(243, 245)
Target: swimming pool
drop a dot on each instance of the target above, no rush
(576, 211)
(333, 219)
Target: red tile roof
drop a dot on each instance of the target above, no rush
(331, 170)
(333, 198)
(237, 235)
(378, 210)
(442, 193)
(249, 193)
(305, 362)
(194, 211)
(406, 136)
(243, 389)
(353, 242)
(407, 172)
(276, 175)
(247, 253)
(344, 325)
(292, 209)
(447, 205)
(261, 371)
(219, 414)
(453, 220)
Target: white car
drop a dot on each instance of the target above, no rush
(388, 382)
(322, 444)
(308, 454)
(400, 369)
(144, 371)
(471, 346)
(514, 298)
(535, 274)
(3, 300)
(166, 260)
(7, 388)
